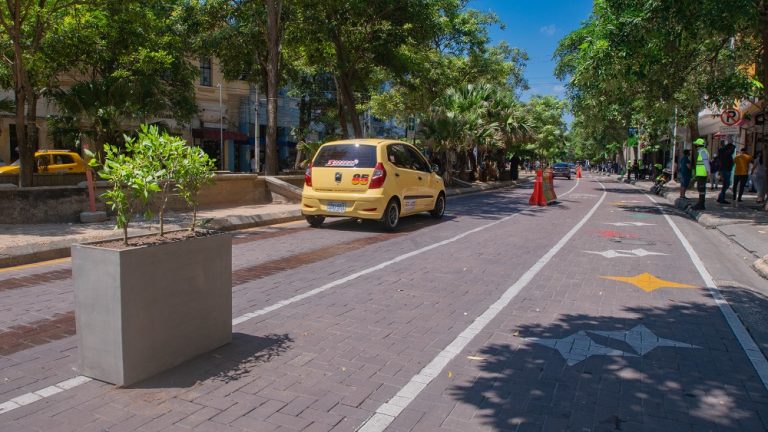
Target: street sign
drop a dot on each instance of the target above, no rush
(730, 117)
(729, 130)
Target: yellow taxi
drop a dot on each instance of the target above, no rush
(51, 161)
(370, 179)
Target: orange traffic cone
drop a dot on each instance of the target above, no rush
(537, 197)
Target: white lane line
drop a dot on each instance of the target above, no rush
(28, 398)
(271, 308)
(31, 397)
(751, 349)
(388, 411)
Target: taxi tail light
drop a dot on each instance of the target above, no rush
(308, 175)
(379, 175)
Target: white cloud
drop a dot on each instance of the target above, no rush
(548, 30)
(558, 89)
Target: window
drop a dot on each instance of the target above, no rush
(206, 78)
(63, 159)
(419, 164)
(399, 156)
(346, 156)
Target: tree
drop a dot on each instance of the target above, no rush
(458, 53)
(546, 118)
(247, 38)
(633, 62)
(25, 26)
(363, 43)
(136, 69)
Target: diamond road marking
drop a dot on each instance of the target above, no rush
(648, 282)
(578, 346)
(634, 253)
(642, 340)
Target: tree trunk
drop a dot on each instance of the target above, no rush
(344, 85)
(349, 104)
(26, 154)
(274, 12)
(340, 107)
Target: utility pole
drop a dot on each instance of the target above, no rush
(674, 145)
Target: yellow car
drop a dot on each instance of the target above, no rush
(370, 179)
(51, 161)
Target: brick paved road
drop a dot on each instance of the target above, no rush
(573, 350)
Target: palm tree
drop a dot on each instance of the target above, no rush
(99, 107)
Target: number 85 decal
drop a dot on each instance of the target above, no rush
(361, 179)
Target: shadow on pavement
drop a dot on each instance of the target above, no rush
(225, 364)
(618, 383)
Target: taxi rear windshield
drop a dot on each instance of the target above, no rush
(346, 156)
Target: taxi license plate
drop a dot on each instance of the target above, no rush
(337, 207)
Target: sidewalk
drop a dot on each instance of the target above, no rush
(744, 223)
(24, 244)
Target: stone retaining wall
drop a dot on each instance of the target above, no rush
(63, 204)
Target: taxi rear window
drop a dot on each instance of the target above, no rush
(346, 156)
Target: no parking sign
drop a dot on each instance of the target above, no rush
(730, 117)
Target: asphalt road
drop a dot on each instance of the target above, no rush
(603, 312)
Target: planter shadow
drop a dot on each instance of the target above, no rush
(226, 364)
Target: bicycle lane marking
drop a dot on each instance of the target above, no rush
(30, 397)
(250, 315)
(388, 411)
(748, 344)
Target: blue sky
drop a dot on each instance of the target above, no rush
(536, 27)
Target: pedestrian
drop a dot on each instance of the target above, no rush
(758, 176)
(715, 166)
(741, 174)
(684, 172)
(725, 156)
(514, 166)
(253, 163)
(701, 171)
(636, 170)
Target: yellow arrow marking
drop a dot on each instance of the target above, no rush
(648, 282)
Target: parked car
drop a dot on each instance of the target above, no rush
(370, 179)
(51, 161)
(561, 169)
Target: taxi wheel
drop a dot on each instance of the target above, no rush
(439, 209)
(391, 215)
(315, 221)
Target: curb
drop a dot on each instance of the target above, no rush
(235, 222)
(761, 266)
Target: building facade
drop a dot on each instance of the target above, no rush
(224, 127)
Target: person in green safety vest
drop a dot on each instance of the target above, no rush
(701, 171)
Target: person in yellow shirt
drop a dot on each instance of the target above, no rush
(741, 173)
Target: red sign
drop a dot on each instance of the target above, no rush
(730, 117)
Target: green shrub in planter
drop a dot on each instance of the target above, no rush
(153, 164)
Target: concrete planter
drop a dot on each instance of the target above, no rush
(140, 311)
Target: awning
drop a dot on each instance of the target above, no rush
(215, 134)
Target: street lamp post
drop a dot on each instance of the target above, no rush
(674, 145)
(221, 129)
(257, 144)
